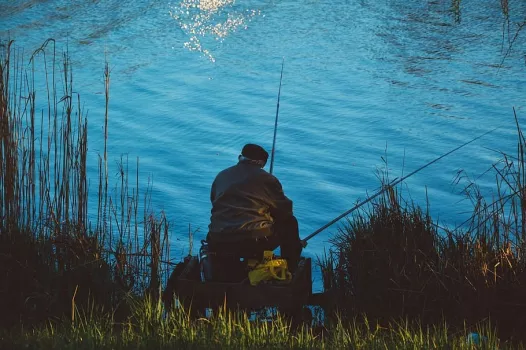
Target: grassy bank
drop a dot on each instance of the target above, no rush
(71, 279)
(149, 327)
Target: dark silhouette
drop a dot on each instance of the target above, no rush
(250, 214)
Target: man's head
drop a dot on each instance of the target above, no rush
(254, 154)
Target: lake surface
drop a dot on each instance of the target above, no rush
(193, 81)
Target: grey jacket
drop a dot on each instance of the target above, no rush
(246, 200)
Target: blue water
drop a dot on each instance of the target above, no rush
(193, 81)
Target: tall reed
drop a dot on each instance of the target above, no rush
(49, 251)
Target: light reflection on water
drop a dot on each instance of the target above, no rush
(217, 18)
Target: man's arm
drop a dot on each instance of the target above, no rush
(213, 192)
(280, 205)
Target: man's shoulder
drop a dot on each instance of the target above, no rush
(263, 174)
(226, 171)
(267, 179)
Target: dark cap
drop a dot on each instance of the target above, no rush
(254, 152)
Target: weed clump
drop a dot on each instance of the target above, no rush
(390, 261)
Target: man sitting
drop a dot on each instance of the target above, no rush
(250, 214)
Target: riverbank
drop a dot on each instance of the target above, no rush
(68, 281)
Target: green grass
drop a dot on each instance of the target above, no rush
(149, 328)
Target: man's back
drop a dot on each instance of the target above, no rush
(250, 215)
(246, 200)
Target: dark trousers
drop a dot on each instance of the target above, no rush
(285, 234)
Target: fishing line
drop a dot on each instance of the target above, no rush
(391, 185)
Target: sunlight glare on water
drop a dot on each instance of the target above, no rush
(218, 18)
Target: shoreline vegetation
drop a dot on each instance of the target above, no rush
(393, 278)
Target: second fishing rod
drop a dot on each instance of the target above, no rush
(276, 120)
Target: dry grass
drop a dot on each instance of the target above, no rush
(390, 261)
(49, 250)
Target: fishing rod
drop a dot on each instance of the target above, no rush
(386, 187)
(276, 121)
